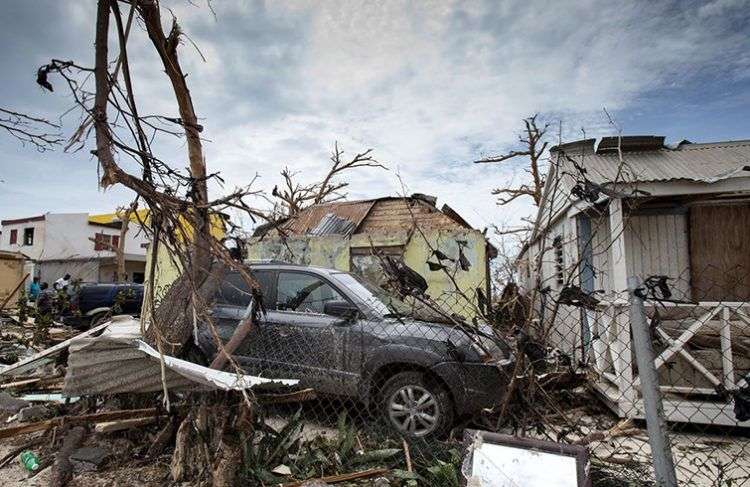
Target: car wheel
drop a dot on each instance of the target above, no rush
(417, 405)
(99, 318)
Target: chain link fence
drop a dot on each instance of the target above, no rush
(391, 377)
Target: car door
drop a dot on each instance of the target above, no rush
(306, 343)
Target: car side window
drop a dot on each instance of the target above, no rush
(304, 293)
(234, 291)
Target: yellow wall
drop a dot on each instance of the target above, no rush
(167, 268)
(335, 252)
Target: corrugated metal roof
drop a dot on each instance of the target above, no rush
(310, 218)
(690, 162)
(333, 225)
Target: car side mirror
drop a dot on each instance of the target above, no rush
(341, 309)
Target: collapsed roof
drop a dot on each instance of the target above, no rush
(369, 216)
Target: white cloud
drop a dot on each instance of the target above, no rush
(429, 85)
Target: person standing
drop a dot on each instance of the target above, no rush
(34, 289)
(61, 283)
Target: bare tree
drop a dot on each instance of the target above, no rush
(295, 196)
(180, 214)
(39, 132)
(125, 215)
(534, 146)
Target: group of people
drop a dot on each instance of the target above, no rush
(43, 299)
(36, 288)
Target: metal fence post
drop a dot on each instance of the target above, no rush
(656, 423)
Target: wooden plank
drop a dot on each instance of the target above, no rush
(598, 345)
(686, 355)
(76, 420)
(124, 424)
(720, 267)
(345, 477)
(700, 412)
(688, 390)
(619, 277)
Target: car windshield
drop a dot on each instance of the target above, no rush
(380, 300)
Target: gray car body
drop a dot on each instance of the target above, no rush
(351, 357)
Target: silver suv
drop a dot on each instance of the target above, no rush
(345, 337)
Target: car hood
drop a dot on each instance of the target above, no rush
(460, 336)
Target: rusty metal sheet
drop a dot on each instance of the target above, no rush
(308, 219)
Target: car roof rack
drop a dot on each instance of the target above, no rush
(268, 261)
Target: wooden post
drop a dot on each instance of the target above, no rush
(621, 350)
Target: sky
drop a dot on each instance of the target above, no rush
(430, 86)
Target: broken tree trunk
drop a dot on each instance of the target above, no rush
(175, 315)
(62, 470)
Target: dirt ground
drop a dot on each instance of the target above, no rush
(114, 472)
(702, 460)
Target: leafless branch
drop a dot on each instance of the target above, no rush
(295, 197)
(39, 132)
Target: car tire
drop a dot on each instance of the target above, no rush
(99, 318)
(416, 405)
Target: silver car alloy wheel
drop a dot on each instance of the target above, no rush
(413, 410)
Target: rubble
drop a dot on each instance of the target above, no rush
(10, 405)
(87, 459)
(36, 412)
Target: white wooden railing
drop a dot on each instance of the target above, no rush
(612, 358)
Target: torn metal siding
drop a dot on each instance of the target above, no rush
(120, 361)
(114, 367)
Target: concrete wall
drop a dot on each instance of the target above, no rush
(52, 270)
(66, 236)
(34, 251)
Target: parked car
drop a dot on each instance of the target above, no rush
(93, 303)
(345, 337)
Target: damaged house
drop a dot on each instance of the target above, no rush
(356, 235)
(678, 218)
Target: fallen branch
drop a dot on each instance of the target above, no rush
(333, 479)
(162, 439)
(407, 456)
(623, 428)
(77, 420)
